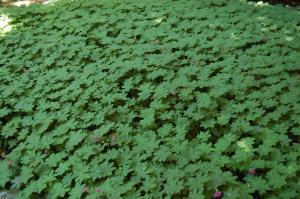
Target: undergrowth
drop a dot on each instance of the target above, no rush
(151, 99)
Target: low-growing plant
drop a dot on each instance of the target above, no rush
(150, 99)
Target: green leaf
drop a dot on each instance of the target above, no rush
(76, 191)
(148, 117)
(58, 190)
(5, 173)
(75, 139)
(55, 158)
(26, 174)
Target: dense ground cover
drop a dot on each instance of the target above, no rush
(151, 99)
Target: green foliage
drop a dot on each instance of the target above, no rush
(150, 99)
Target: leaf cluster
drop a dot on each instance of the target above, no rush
(150, 99)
